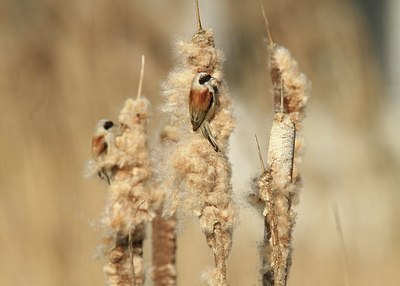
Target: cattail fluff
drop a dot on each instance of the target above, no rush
(280, 182)
(199, 177)
(130, 201)
(296, 86)
(276, 190)
(163, 234)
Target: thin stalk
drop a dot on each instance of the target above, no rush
(199, 27)
(141, 78)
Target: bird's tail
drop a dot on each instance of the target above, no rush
(205, 130)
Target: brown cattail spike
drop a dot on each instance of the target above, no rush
(163, 233)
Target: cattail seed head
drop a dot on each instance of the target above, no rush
(198, 176)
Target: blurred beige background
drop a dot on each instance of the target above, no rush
(66, 64)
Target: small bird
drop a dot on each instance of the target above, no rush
(103, 139)
(202, 103)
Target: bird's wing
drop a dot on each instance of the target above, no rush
(199, 106)
(99, 146)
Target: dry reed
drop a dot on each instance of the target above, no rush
(279, 183)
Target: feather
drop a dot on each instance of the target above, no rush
(99, 146)
(200, 104)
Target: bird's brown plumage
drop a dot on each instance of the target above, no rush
(199, 105)
(99, 146)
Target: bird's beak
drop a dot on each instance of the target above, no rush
(218, 81)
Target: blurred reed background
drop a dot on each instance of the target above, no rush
(66, 64)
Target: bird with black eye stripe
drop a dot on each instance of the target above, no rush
(202, 104)
(103, 140)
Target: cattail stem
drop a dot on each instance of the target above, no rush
(199, 27)
(135, 246)
(339, 232)
(216, 242)
(141, 78)
(260, 155)
(270, 41)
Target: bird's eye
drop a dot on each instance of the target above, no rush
(203, 79)
(108, 124)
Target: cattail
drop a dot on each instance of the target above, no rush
(198, 176)
(280, 181)
(164, 250)
(131, 200)
(164, 233)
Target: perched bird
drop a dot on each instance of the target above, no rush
(202, 103)
(103, 140)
